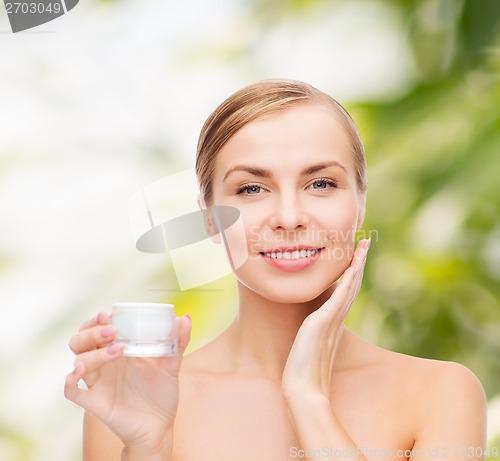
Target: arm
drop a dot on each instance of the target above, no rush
(318, 428)
(307, 378)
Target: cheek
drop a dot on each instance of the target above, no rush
(235, 243)
(340, 230)
(247, 233)
(341, 248)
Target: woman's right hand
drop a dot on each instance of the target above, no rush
(136, 398)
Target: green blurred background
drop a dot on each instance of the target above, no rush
(112, 96)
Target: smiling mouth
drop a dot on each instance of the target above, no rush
(296, 254)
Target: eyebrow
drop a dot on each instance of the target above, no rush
(263, 173)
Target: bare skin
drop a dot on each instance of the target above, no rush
(287, 377)
(385, 401)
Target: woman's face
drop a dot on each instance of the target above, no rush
(292, 177)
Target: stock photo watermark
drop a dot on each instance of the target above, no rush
(24, 15)
(340, 243)
(443, 452)
(204, 245)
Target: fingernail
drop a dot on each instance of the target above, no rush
(77, 369)
(115, 348)
(107, 331)
(100, 317)
(368, 243)
(188, 316)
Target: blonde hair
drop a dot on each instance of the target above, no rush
(255, 101)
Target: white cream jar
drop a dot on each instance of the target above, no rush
(147, 329)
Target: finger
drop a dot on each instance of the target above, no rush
(184, 331)
(358, 271)
(357, 261)
(359, 275)
(81, 397)
(93, 361)
(361, 257)
(345, 293)
(71, 390)
(361, 251)
(92, 338)
(100, 319)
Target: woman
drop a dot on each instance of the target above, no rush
(287, 379)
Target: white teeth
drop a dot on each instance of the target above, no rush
(292, 255)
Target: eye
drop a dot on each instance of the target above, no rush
(249, 189)
(323, 183)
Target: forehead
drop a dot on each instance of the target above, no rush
(288, 140)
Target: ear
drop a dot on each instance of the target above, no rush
(210, 227)
(200, 202)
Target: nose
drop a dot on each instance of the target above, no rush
(288, 213)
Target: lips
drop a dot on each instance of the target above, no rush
(292, 258)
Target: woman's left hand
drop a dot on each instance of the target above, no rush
(308, 370)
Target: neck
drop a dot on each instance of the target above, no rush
(262, 334)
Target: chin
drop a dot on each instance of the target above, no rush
(290, 288)
(291, 298)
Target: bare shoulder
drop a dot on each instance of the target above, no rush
(447, 390)
(434, 394)
(429, 378)
(433, 379)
